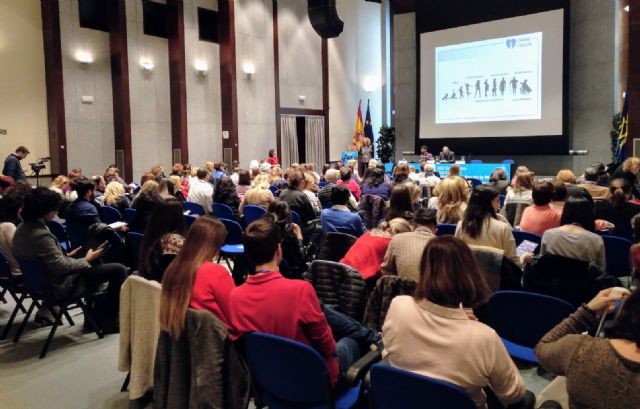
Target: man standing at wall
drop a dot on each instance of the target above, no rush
(12, 164)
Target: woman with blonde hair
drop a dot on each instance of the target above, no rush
(275, 176)
(177, 188)
(259, 194)
(452, 200)
(629, 171)
(193, 280)
(368, 251)
(310, 188)
(115, 196)
(61, 186)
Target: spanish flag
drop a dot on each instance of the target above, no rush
(358, 133)
(623, 131)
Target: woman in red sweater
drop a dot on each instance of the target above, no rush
(192, 280)
(368, 251)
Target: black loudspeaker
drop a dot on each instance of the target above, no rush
(324, 18)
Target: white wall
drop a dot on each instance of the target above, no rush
(353, 56)
(300, 52)
(90, 132)
(256, 96)
(23, 94)
(149, 95)
(204, 125)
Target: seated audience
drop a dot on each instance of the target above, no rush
(480, 225)
(112, 174)
(267, 302)
(353, 165)
(339, 218)
(519, 171)
(259, 194)
(401, 173)
(225, 193)
(82, 213)
(402, 202)
(567, 177)
(201, 191)
(498, 181)
(629, 171)
(244, 183)
(166, 189)
(158, 172)
(324, 194)
(559, 195)
(619, 208)
(144, 203)
(367, 253)
(101, 186)
(575, 237)
(192, 280)
(346, 180)
(429, 178)
(162, 239)
(405, 249)
(374, 184)
(33, 241)
(540, 217)
(10, 208)
(275, 176)
(296, 198)
(452, 200)
(178, 194)
(219, 170)
(292, 244)
(590, 184)
(114, 196)
(600, 373)
(61, 186)
(310, 188)
(435, 333)
(522, 190)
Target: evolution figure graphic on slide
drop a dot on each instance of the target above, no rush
(503, 85)
(486, 88)
(478, 92)
(514, 84)
(525, 89)
(494, 88)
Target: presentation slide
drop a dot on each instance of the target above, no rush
(490, 80)
(502, 78)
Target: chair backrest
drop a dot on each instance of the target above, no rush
(295, 218)
(193, 208)
(474, 182)
(521, 236)
(109, 214)
(252, 213)
(393, 388)
(513, 212)
(33, 275)
(445, 230)
(524, 318)
(288, 370)
(274, 189)
(59, 231)
(134, 242)
(335, 245)
(386, 289)
(129, 215)
(475, 161)
(234, 231)
(340, 286)
(222, 211)
(508, 161)
(322, 184)
(502, 199)
(617, 253)
(116, 251)
(371, 208)
(189, 220)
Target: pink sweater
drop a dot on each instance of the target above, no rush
(538, 219)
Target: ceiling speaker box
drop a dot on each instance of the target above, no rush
(324, 18)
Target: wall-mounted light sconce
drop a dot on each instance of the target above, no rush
(147, 65)
(301, 99)
(201, 67)
(370, 83)
(249, 69)
(626, 8)
(84, 57)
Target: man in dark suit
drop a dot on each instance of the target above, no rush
(446, 155)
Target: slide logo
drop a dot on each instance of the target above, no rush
(511, 43)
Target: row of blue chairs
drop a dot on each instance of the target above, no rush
(288, 373)
(616, 248)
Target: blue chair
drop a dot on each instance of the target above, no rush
(129, 215)
(502, 199)
(193, 208)
(134, 244)
(393, 388)
(445, 230)
(475, 161)
(274, 189)
(35, 282)
(521, 319)
(252, 213)
(508, 161)
(285, 270)
(521, 236)
(109, 215)
(13, 286)
(290, 374)
(322, 184)
(617, 254)
(233, 242)
(474, 182)
(189, 220)
(60, 232)
(295, 218)
(222, 211)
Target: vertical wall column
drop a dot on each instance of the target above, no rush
(228, 86)
(55, 89)
(120, 85)
(325, 95)
(178, 81)
(633, 83)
